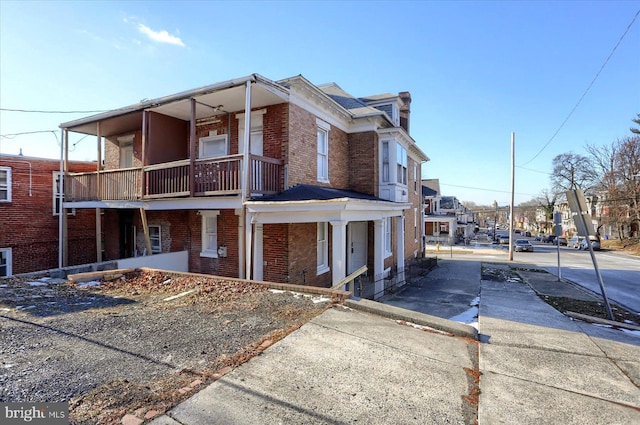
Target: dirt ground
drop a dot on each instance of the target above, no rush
(127, 345)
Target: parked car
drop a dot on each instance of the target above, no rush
(522, 245)
(527, 234)
(549, 239)
(503, 239)
(561, 240)
(540, 236)
(595, 243)
(574, 242)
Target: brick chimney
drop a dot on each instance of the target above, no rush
(405, 109)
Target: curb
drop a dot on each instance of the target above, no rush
(397, 313)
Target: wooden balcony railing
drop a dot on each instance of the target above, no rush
(211, 176)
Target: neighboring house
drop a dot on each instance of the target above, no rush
(282, 181)
(29, 216)
(446, 220)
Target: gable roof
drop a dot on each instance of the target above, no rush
(433, 184)
(427, 191)
(307, 192)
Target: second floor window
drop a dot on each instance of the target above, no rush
(385, 161)
(401, 158)
(323, 152)
(5, 184)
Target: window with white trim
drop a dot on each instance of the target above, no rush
(385, 161)
(5, 262)
(323, 248)
(213, 145)
(415, 179)
(323, 151)
(5, 184)
(209, 234)
(58, 196)
(388, 222)
(401, 158)
(155, 236)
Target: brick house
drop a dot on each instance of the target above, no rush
(446, 220)
(282, 181)
(30, 216)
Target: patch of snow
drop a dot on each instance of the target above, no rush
(181, 294)
(277, 291)
(5, 309)
(320, 299)
(7, 366)
(468, 317)
(629, 331)
(44, 279)
(37, 283)
(475, 302)
(21, 307)
(421, 327)
(90, 283)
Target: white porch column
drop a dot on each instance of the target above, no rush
(248, 245)
(400, 246)
(258, 257)
(338, 251)
(378, 255)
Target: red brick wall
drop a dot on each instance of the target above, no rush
(363, 162)
(112, 151)
(276, 253)
(414, 191)
(302, 153)
(27, 223)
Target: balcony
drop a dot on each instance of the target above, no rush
(209, 177)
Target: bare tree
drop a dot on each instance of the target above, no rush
(637, 121)
(547, 201)
(617, 167)
(572, 171)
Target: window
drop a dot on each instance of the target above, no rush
(155, 236)
(323, 151)
(402, 164)
(126, 150)
(59, 196)
(388, 222)
(213, 146)
(5, 262)
(323, 248)
(5, 184)
(415, 179)
(385, 161)
(209, 234)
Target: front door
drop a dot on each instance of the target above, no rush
(356, 245)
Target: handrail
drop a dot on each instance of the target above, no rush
(164, 165)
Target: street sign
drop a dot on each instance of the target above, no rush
(582, 218)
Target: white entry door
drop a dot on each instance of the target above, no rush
(356, 245)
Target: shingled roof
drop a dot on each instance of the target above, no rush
(307, 192)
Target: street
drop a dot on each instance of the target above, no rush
(620, 272)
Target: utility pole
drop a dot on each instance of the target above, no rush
(511, 229)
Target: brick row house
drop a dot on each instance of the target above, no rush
(281, 181)
(30, 216)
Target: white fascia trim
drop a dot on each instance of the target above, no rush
(320, 111)
(400, 134)
(228, 202)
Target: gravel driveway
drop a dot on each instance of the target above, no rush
(128, 343)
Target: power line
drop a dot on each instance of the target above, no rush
(588, 88)
(13, 135)
(35, 111)
(486, 190)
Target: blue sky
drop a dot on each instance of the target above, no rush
(477, 71)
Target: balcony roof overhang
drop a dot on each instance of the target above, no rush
(215, 99)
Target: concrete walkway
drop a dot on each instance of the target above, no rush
(349, 366)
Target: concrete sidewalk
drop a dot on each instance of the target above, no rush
(348, 366)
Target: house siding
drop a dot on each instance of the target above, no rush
(28, 225)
